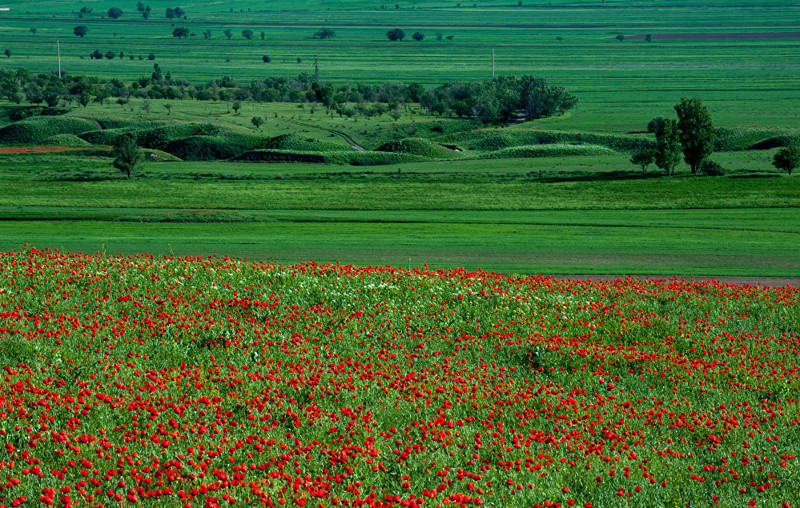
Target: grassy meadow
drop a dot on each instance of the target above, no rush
(555, 195)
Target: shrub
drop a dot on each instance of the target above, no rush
(65, 140)
(711, 168)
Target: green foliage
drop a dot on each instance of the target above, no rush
(643, 158)
(247, 34)
(65, 140)
(711, 168)
(396, 34)
(114, 12)
(297, 143)
(80, 30)
(181, 32)
(668, 146)
(418, 146)
(325, 33)
(787, 158)
(550, 150)
(127, 155)
(696, 131)
(36, 130)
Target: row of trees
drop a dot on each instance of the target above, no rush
(497, 101)
(398, 34)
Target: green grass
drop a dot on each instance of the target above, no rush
(584, 214)
(621, 85)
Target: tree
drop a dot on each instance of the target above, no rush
(114, 12)
(257, 121)
(168, 107)
(418, 36)
(788, 158)
(325, 33)
(668, 146)
(33, 30)
(170, 13)
(181, 32)
(655, 124)
(247, 34)
(207, 34)
(398, 34)
(644, 158)
(85, 11)
(263, 35)
(80, 30)
(237, 105)
(696, 132)
(96, 55)
(140, 6)
(110, 55)
(266, 59)
(228, 33)
(620, 37)
(151, 56)
(7, 52)
(127, 155)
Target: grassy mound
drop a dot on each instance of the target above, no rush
(352, 157)
(156, 135)
(496, 139)
(742, 138)
(418, 146)
(152, 155)
(555, 150)
(224, 146)
(299, 144)
(35, 130)
(65, 140)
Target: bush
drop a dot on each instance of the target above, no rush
(711, 168)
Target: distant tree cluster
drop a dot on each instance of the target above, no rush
(500, 100)
(692, 135)
(175, 12)
(490, 102)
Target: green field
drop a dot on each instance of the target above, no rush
(554, 195)
(620, 84)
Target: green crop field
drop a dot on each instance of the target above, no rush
(556, 194)
(744, 81)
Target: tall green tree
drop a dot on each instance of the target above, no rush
(696, 132)
(668, 146)
(788, 158)
(127, 155)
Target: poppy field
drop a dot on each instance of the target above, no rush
(163, 381)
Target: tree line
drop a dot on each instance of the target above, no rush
(495, 101)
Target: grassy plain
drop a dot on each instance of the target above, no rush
(620, 84)
(577, 214)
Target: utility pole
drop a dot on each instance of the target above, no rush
(58, 50)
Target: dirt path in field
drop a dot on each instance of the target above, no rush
(341, 134)
(751, 281)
